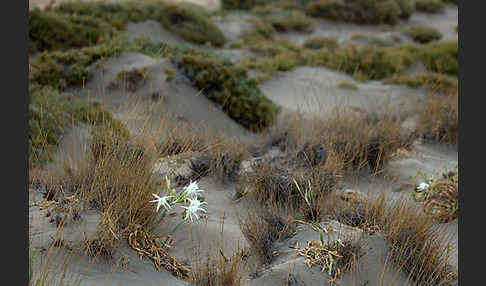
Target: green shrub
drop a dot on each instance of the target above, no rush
(52, 31)
(192, 23)
(188, 20)
(228, 86)
(359, 11)
(130, 79)
(294, 20)
(424, 34)
(241, 4)
(116, 14)
(440, 57)
(407, 7)
(60, 69)
(433, 81)
(429, 6)
(374, 40)
(373, 62)
(51, 113)
(316, 43)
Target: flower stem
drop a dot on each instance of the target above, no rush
(152, 224)
(172, 232)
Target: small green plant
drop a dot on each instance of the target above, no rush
(192, 23)
(347, 85)
(433, 81)
(316, 43)
(294, 20)
(228, 85)
(130, 79)
(429, 6)
(361, 11)
(423, 34)
(438, 194)
(307, 197)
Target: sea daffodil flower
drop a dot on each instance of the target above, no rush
(192, 190)
(193, 208)
(162, 201)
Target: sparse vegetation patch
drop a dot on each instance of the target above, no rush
(423, 34)
(229, 86)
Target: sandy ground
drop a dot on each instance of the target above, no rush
(304, 89)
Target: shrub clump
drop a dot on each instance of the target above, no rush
(188, 20)
(130, 79)
(433, 81)
(191, 22)
(423, 34)
(439, 119)
(53, 31)
(294, 20)
(369, 62)
(317, 43)
(115, 14)
(429, 6)
(242, 4)
(50, 113)
(361, 11)
(372, 62)
(229, 86)
(60, 69)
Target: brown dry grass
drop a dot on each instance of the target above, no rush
(439, 119)
(263, 228)
(221, 271)
(417, 246)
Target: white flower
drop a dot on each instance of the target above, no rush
(423, 186)
(161, 201)
(192, 190)
(193, 208)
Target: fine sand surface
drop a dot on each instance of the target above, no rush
(309, 90)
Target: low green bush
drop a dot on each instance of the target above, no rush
(294, 20)
(373, 62)
(116, 14)
(439, 57)
(429, 6)
(242, 4)
(423, 34)
(60, 69)
(361, 11)
(52, 31)
(192, 23)
(52, 112)
(370, 62)
(227, 85)
(433, 81)
(317, 43)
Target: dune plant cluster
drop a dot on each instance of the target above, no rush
(229, 86)
(423, 34)
(291, 173)
(74, 25)
(439, 195)
(365, 12)
(50, 114)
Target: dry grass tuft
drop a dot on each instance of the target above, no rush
(363, 139)
(221, 271)
(263, 229)
(439, 119)
(417, 247)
